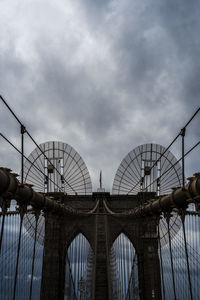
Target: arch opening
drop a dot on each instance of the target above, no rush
(79, 269)
(124, 269)
(55, 167)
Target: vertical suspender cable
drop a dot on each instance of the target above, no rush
(18, 251)
(70, 255)
(23, 130)
(67, 271)
(161, 263)
(183, 152)
(2, 230)
(128, 269)
(4, 211)
(186, 254)
(121, 271)
(78, 278)
(9, 242)
(2, 261)
(75, 265)
(171, 258)
(33, 259)
(123, 264)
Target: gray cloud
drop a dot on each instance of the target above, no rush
(103, 76)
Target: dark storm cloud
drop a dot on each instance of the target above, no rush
(103, 76)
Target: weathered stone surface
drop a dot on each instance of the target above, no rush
(101, 230)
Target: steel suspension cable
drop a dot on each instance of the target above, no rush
(188, 245)
(2, 231)
(195, 261)
(180, 246)
(190, 150)
(161, 263)
(171, 257)
(18, 252)
(32, 139)
(33, 259)
(49, 160)
(186, 254)
(25, 157)
(180, 133)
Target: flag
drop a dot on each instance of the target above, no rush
(100, 179)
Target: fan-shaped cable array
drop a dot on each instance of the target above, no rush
(61, 170)
(145, 169)
(150, 168)
(57, 168)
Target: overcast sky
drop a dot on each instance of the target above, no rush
(102, 76)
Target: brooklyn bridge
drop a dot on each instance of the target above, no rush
(59, 239)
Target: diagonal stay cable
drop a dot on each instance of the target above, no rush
(3, 136)
(161, 155)
(190, 150)
(32, 139)
(49, 160)
(180, 133)
(6, 104)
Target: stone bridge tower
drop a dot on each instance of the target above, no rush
(101, 229)
(66, 179)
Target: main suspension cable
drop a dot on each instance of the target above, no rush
(190, 150)
(161, 155)
(32, 139)
(180, 133)
(3, 136)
